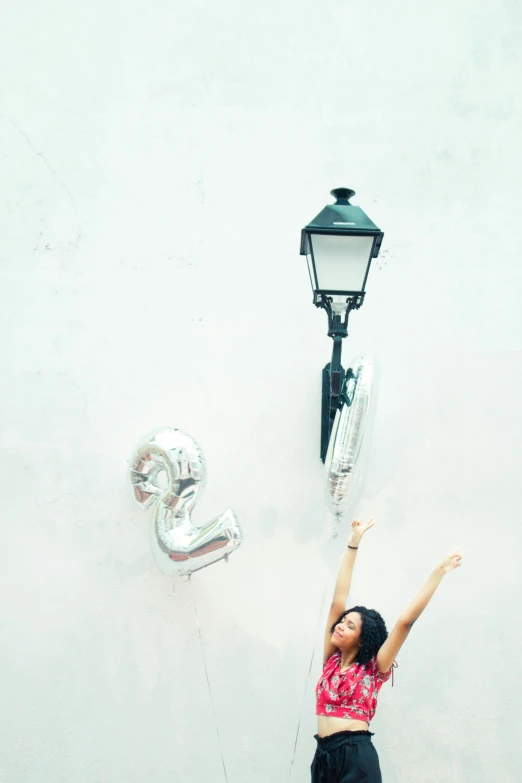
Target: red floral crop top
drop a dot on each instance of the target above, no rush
(351, 694)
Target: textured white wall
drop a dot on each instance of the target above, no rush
(157, 164)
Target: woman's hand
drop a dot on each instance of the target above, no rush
(451, 561)
(358, 531)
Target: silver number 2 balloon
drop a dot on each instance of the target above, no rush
(167, 472)
(344, 450)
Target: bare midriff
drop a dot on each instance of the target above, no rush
(327, 725)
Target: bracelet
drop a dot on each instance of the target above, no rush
(352, 547)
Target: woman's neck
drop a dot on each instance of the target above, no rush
(347, 658)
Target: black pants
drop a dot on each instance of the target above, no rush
(346, 757)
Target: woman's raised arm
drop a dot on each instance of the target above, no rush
(344, 580)
(400, 631)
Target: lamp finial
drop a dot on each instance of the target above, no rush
(343, 195)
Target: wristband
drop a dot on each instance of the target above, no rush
(352, 547)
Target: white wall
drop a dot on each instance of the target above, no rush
(157, 162)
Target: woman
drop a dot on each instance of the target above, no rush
(358, 659)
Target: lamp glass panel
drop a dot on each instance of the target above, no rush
(310, 267)
(341, 261)
(310, 261)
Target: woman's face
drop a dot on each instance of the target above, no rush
(347, 632)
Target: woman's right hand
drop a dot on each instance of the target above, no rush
(358, 531)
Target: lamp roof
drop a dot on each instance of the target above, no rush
(342, 216)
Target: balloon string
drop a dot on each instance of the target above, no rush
(306, 686)
(208, 683)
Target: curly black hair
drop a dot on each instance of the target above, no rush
(373, 632)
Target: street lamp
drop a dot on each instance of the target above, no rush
(339, 245)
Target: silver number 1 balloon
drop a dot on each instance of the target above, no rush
(176, 457)
(344, 450)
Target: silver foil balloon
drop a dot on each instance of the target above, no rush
(167, 472)
(345, 447)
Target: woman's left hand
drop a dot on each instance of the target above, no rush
(451, 561)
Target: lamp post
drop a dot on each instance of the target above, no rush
(339, 245)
